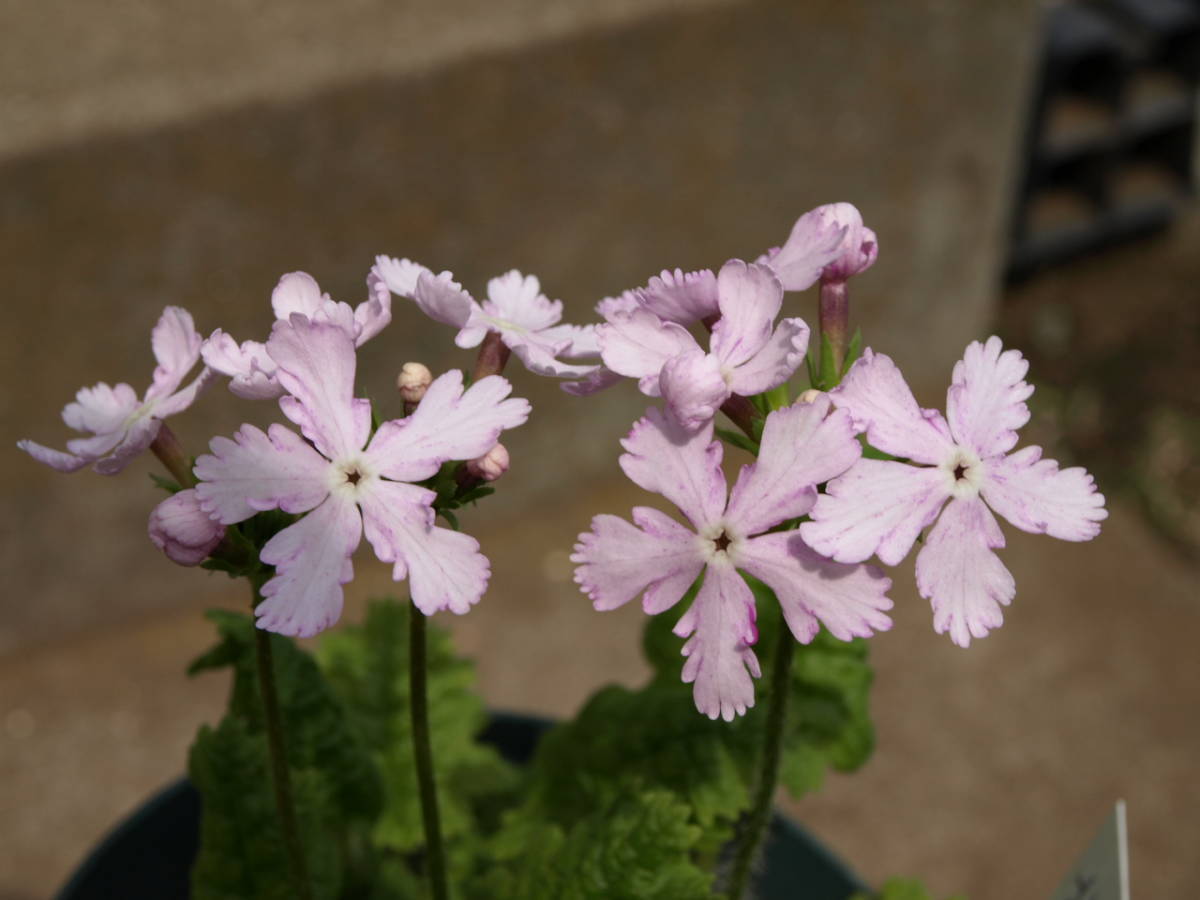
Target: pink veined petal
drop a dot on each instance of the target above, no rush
(373, 314)
(312, 562)
(98, 445)
(876, 507)
(626, 302)
(539, 355)
(257, 471)
(399, 275)
(680, 297)
(601, 378)
(442, 299)
(140, 435)
(297, 292)
(316, 367)
(815, 242)
(692, 386)
(721, 633)
(859, 250)
(684, 466)
(518, 299)
(960, 576)
(801, 448)
(101, 409)
(445, 569)
(750, 297)
(1037, 496)
(617, 561)
(447, 424)
(55, 459)
(637, 344)
(880, 403)
(850, 601)
(182, 399)
(184, 531)
(581, 340)
(251, 370)
(176, 345)
(775, 363)
(986, 400)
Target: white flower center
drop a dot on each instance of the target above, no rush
(720, 543)
(350, 476)
(964, 470)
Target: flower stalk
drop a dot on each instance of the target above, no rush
(834, 318)
(170, 453)
(435, 860)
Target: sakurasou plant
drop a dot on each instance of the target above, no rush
(328, 777)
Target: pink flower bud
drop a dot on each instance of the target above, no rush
(491, 465)
(183, 531)
(412, 382)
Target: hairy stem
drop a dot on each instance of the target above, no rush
(435, 859)
(170, 453)
(280, 777)
(834, 319)
(493, 356)
(755, 825)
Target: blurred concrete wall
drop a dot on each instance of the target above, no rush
(148, 157)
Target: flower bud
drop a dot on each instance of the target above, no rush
(412, 382)
(183, 531)
(491, 465)
(808, 396)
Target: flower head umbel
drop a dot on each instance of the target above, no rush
(121, 425)
(528, 322)
(250, 367)
(748, 353)
(660, 559)
(879, 506)
(351, 483)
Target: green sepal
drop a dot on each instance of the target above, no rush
(829, 373)
(167, 484)
(737, 439)
(776, 398)
(853, 352)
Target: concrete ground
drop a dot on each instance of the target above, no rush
(594, 156)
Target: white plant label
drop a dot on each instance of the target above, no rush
(1102, 871)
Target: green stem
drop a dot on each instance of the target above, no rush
(419, 704)
(755, 825)
(278, 751)
(170, 453)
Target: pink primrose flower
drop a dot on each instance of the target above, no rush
(121, 426)
(529, 323)
(748, 353)
(879, 507)
(184, 531)
(248, 364)
(352, 484)
(829, 242)
(658, 558)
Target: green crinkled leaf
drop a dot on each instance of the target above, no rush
(902, 889)
(242, 852)
(318, 731)
(367, 666)
(633, 844)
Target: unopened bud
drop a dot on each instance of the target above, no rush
(808, 396)
(491, 465)
(183, 531)
(413, 381)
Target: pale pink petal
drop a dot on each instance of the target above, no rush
(684, 466)
(447, 424)
(637, 344)
(599, 379)
(101, 409)
(618, 561)
(316, 367)
(399, 275)
(850, 601)
(626, 302)
(55, 459)
(877, 507)
(442, 299)
(775, 363)
(692, 386)
(373, 314)
(297, 292)
(580, 340)
(182, 399)
(97, 445)
(184, 531)
(257, 471)
(252, 371)
(1037, 496)
(815, 242)
(959, 574)
(881, 404)
(750, 297)
(801, 447)
(859, 250)
(680, 297)
(445, 569)
(986, 400)
(312, 562)
(539, 355)
(518, 299)
(176, 345)
(139, 435)
(721, 633)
